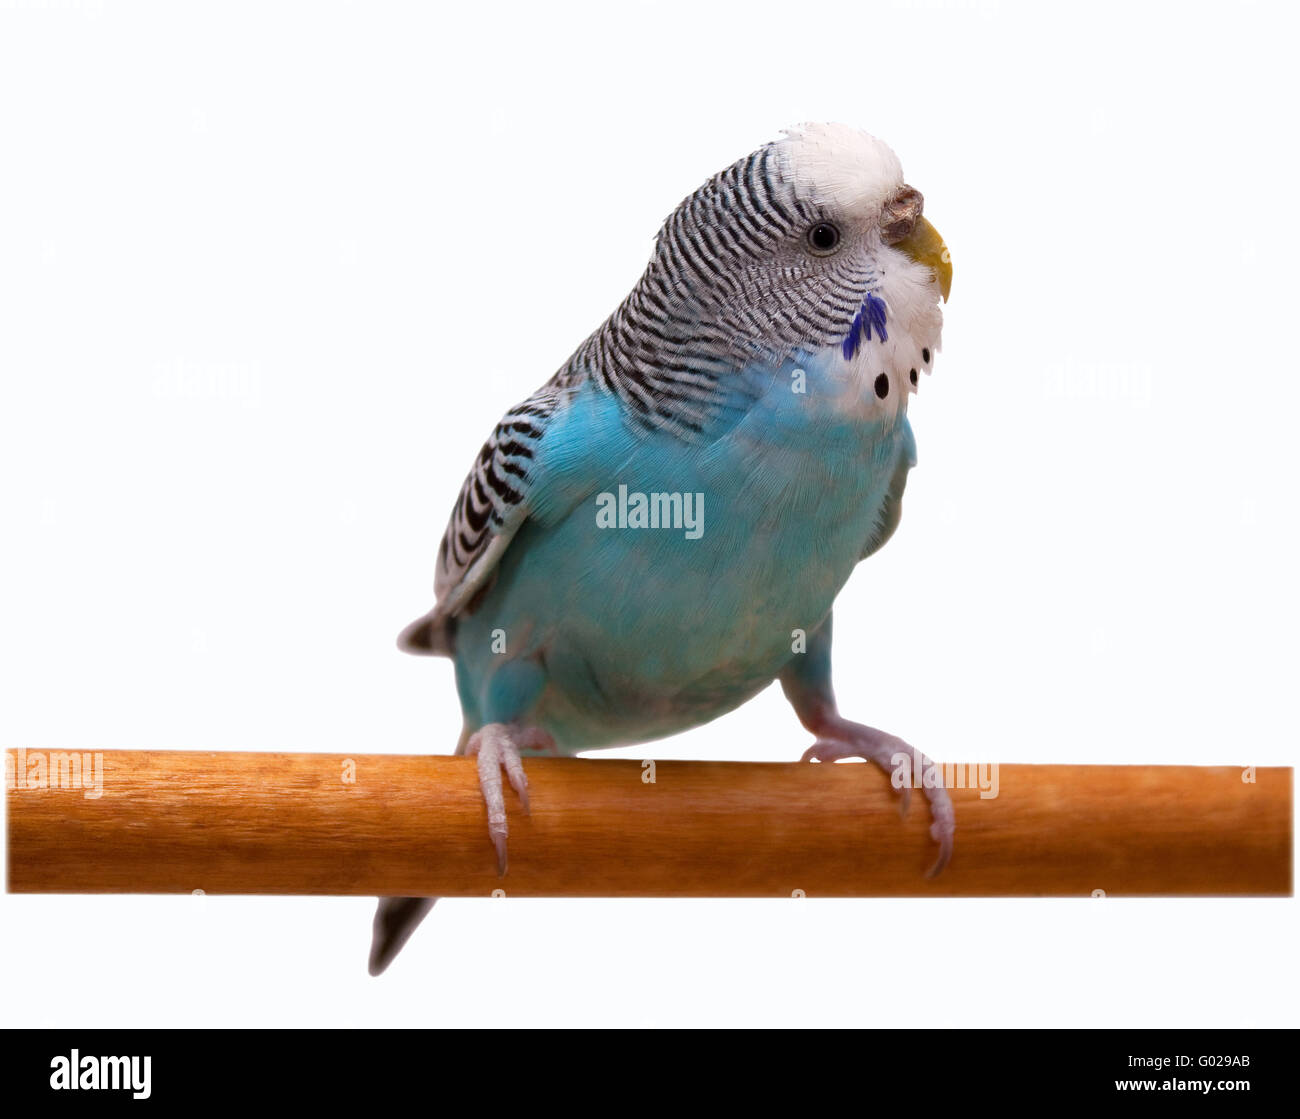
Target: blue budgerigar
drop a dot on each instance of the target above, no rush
(660, 531)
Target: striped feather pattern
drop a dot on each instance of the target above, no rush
(731, 283)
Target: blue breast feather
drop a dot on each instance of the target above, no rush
(612, 635)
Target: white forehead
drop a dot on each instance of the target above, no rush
(835, 165)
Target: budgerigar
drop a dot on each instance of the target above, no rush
(640, 544)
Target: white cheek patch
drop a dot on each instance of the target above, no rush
(891, 342)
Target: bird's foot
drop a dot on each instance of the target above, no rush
(840, 738)
(497, 747)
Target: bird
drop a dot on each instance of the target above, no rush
(660, 531)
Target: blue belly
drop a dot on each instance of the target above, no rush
(603, 633)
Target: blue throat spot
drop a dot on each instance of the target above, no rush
(871, 315)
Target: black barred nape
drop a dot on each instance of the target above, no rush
(729, 284)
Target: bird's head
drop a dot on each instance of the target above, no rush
(850, 187)
(813, 244)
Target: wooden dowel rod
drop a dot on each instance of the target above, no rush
(245, 823)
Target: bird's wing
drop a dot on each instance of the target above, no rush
(494, 501)
(544, 457)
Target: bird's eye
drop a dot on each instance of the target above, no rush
(823, 238)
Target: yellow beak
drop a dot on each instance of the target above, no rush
(925, 246)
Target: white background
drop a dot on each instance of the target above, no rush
(270, 273)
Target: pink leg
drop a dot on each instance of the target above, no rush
(839, 738)
(497, 747)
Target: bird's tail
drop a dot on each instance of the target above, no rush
(395, 920)
(432, 635)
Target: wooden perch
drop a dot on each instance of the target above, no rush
(242, 823)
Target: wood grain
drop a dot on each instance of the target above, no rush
(170, 821)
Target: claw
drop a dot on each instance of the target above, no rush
(496, 747)
(514, 768)
(843, 739)
(941, 861)
(941, 830)
(833, 749)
